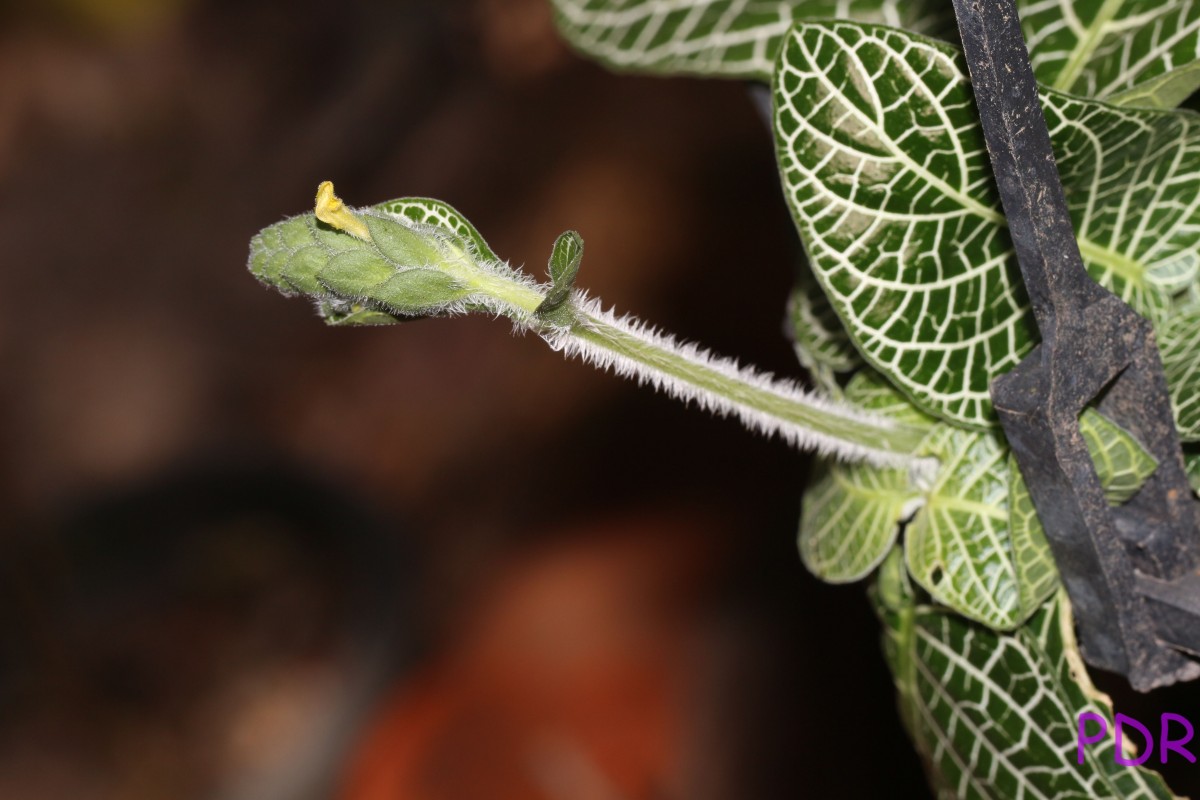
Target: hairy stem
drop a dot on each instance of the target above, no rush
(685, 371)
(389, 264)
(761, 402)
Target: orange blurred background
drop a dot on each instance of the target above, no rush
(247, 556)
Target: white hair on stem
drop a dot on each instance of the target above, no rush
(595, 339)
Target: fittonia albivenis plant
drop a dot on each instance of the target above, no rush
(909, 303)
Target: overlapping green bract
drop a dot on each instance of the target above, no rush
(887, 175)
(719, 38)
(395, 276)
(1139, 52)
(995, 714)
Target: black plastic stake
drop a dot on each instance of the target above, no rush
(1130, 571)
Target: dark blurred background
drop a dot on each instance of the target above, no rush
(244, 555)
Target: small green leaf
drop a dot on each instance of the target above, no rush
(565, 258)
(1179, 344)
(564, 269)
(851, 517)
(995, 715)
(1122, 464)
(1191, 462)
(1165, 91)
(895, 601)
(895, 591)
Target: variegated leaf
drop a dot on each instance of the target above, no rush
(723, 38)
(427, 211)
(1179, 344)
(851, 517)
(958, 546)
(994, 715)
(1037, 575)
(1137, 52)
(888, 178)
(820, 341)
(1122, 463)
(851, 513)
(976, 544)
(957, 537)
(1133, 52)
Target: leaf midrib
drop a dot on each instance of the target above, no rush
(1086, 45)
(896, 497)
(1130, 269)
(952, 503)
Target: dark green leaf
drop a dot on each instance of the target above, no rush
(564, 269)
